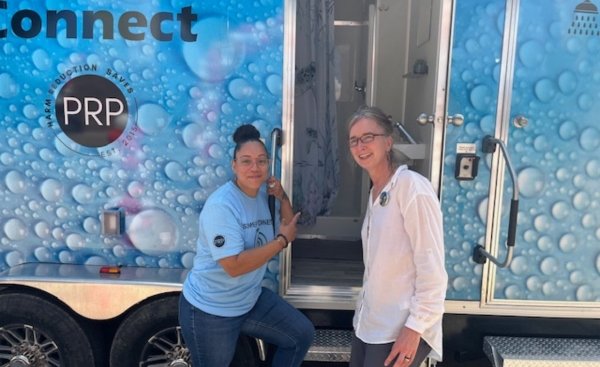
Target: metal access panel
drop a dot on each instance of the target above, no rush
(542, 352)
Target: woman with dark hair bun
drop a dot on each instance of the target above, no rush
(246, 133)
(222, 295)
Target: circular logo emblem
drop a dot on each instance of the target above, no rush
(91, 111)
(219, 241)
(384, 198)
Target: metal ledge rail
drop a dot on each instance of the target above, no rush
(542, 352)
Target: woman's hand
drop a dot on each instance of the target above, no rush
(274, 188)
(404, 349)
(288, 219)
(288, 229)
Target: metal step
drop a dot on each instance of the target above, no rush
(506, 351)
(330, 346)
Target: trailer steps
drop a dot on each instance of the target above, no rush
(541, 352)
(330, 346)
(334, 346)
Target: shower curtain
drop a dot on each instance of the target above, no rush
(316, 170)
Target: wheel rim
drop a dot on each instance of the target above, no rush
(165, 348)
(24, 346)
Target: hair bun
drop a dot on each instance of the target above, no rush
(245, 133)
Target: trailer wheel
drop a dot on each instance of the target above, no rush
(151, 336)
(35, 332)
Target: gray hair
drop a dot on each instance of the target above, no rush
(383, 120)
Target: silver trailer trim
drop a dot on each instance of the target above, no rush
(287, 115)
(579, 310)
(92, 294)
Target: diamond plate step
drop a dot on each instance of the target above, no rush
(542, 352)
(330, 346)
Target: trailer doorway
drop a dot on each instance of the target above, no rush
(341, 55)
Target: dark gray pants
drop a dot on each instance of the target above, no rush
(373, 355)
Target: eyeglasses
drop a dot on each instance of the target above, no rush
(248, 162)
(365, 139)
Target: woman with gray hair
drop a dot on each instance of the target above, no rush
(398, 318)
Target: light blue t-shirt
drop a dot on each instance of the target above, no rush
(230, 223)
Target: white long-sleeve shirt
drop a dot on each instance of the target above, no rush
(405, 281)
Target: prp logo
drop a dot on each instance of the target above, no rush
(92, 114)
(92, 111)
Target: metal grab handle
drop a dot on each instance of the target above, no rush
(275, 143)
(479, 253)
(403, 130)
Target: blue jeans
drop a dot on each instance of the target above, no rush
(212, 339)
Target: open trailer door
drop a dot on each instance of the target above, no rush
(393, 54)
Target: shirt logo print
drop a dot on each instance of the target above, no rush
(219, 241)
(259, 239)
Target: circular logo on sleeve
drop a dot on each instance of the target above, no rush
(219, 241)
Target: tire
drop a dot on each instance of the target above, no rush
(151, 336)
(38, 333)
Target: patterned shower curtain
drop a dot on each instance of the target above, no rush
(316, 170)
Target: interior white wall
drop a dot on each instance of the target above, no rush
(408, 31)
(390, 59)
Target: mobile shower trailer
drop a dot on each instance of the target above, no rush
(116, 123)
(496, 101)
